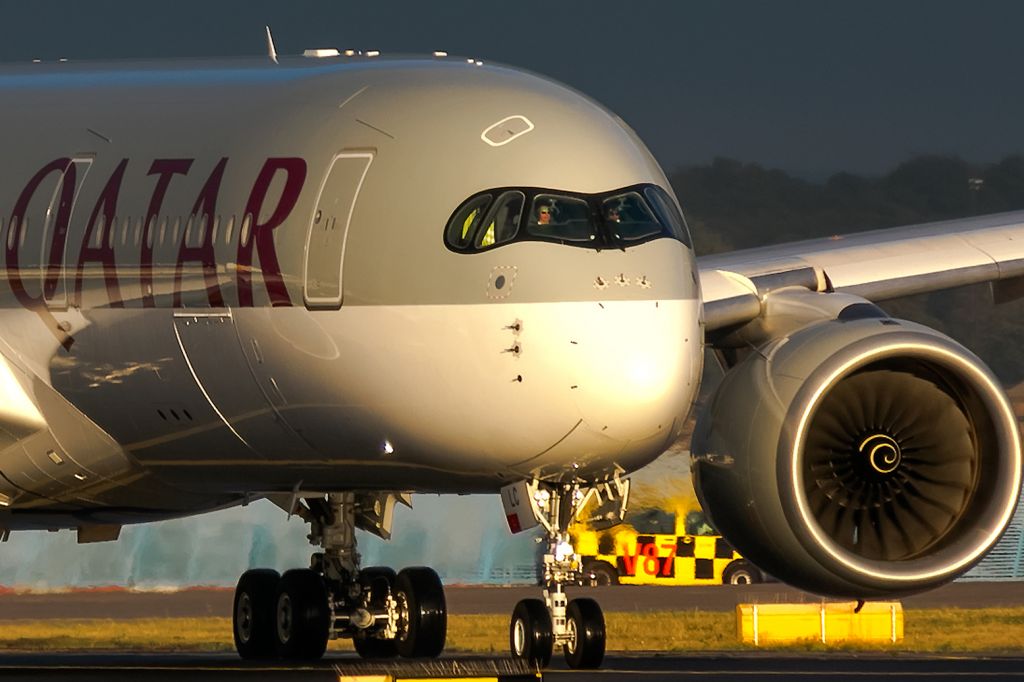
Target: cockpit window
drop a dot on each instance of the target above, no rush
(629, 218)
(561, 218)
(618, 219)
(464, 224)
(669, 213)
(502, 222)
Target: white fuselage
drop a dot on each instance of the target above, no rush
(201, 303)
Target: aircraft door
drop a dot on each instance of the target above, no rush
(38, 229)
(328, 229)
(55, 233)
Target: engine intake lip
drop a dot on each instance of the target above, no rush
(981, 521)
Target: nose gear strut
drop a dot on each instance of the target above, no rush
(538, 625)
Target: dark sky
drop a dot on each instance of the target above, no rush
(811, 87)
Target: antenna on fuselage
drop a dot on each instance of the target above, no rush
(271, 50)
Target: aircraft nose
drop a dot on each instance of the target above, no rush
(633, 366)
(633, 370)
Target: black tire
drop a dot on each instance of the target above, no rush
(423, 627)
(253, 614)
(530, 633)
(600, 574)
(302, 616)
(380, 580)
(741, 572)
(586, 651)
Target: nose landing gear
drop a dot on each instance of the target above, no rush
(538, 625)
(293, 616)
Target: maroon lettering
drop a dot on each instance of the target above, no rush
(165, 169)
(100, 248)
(260, 236)
(13, 240)
(201, 222)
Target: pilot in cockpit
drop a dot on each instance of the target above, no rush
(544, 214)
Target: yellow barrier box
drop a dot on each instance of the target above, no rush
(827, 622)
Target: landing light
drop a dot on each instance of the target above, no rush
(373, 53)
(440, 53)
(388, 448)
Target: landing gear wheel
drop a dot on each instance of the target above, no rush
(302, 615)
(253, 613)
(423, 619)
(380, 581)
(530, 633)
(585, 648)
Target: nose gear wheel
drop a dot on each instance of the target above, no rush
(537, 626)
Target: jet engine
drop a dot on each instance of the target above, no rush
(860, 458)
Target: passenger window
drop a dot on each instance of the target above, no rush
(628, 217)
(560, 218)
(502, 221)
(669, 213)
(463, 226)
(243, 232)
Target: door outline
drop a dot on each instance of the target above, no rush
(321, 302)
(82, 164)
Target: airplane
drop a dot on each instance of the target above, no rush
(336, 279)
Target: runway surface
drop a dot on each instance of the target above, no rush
(649, 668)
(470, 600)
(831, 667)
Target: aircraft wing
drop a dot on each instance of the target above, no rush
(875, 265)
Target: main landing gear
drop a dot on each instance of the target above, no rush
(386, 614)
(539, 625)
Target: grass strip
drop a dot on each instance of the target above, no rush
(926, 631)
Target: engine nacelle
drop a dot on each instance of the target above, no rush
(860, 458)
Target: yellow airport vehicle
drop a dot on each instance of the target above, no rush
(655, 547)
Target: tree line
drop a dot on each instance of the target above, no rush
(734, 205)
